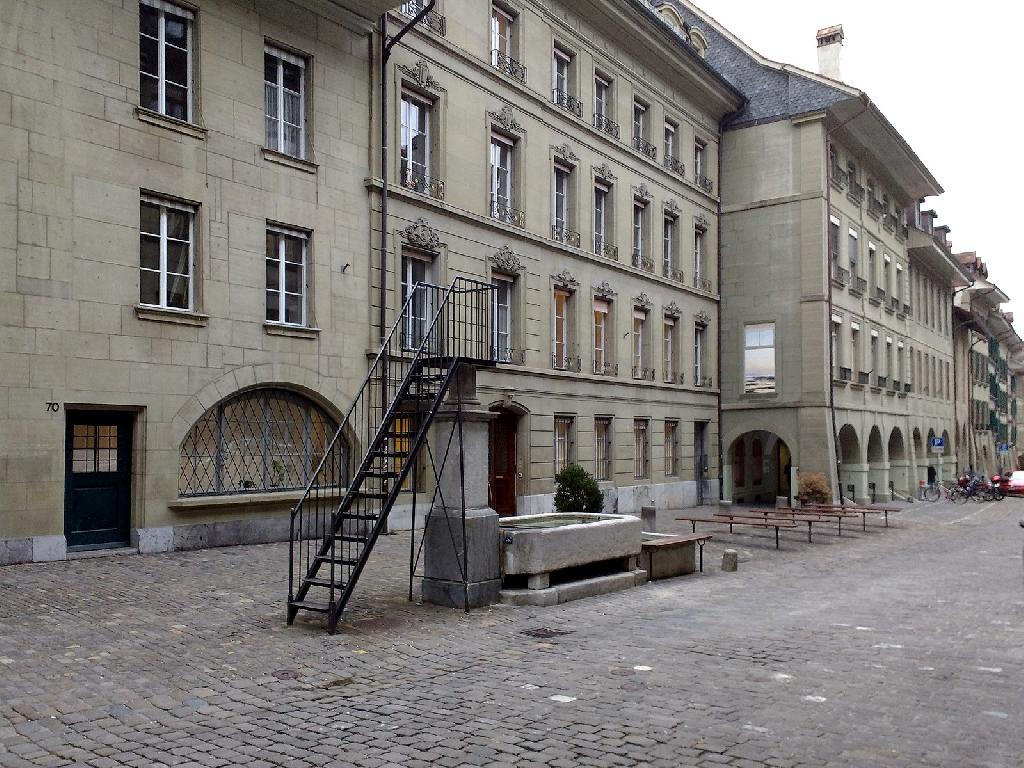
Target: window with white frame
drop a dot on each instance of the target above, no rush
(560, 202)
(833, 239)
(639, 120)
(603, 448)
(501, 174)
(501, 34)
(502, 310)
(560, 329)
(899, 285)
(668, 349)
(872, 266)
(284, 98)
(639, 214)
(671, 131)
(564, 453)
(166, 237)
(641, 449)
(417, 273)
(671, 447)
(601, 331)
(415, 139)
(698, 254)
(854, 254)
(165, 58)
(837, 336)
(601, 217)
(602, 96)
(639, 343)
(286, 276)
(699, 158)
(668, 246)
(699, 345)
(759, 357)
(886, 272)
(560, 63)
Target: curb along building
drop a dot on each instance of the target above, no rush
(190, 211)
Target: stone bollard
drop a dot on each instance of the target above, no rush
(649, 516)
(781, 502)
(730, 560)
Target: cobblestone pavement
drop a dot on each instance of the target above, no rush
(891, 647)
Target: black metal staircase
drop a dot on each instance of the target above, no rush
(346, 502)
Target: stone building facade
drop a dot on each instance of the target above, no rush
(189, 200)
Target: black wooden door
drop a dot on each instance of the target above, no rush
(98, 478)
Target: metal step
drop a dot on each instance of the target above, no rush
(309, 605)
(316, 581)
(337, 560)
(369, 495)
(349, 538)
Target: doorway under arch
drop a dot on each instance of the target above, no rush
(761, 463)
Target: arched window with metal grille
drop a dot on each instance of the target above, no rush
(260, 441)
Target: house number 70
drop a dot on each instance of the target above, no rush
(52, 407)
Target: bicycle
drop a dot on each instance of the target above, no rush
(944, 490)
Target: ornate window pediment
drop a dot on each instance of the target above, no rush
(506, 260)
(420, 234)
(565, 152)
(702, 318)
(672, 207)
(420, 76)
(604, 290)
(672, 309)
(604, 172)
(506, 120)
(700, 221)
(643, 301)
(565, 280)
(641, 192)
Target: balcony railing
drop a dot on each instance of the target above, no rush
(876, 207)
(606, 369)
(705, 183)
(674, 164)
(845, 374)
(603, 248)
(839, 176)
(433, 21)
(502, 62)
(840, 275)
(507, 214)
(863, 377)
(511, 356)
(643, 373)
(703, 382)
(701, 283)
(640, 261)
(672, 377)
(423, 184)
(889, 222)
(644, 147)
(672, 273)
(563, 234)
(606, 124)
(855, 192)
(565, 362)
(567, 102)
(858, 285)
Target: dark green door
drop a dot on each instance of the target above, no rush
(97, 504)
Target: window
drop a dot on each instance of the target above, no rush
(602, 97)
(560, 330)
(501, 33)
(670, 139)
(874, 354)
(502, 310)
(671, 448)
(564, 454)
(668, 260)
(639, 213)
(165, 254)
(699, 156)
(165, 58)
(603, 448)
(759, 357)
(899, 284)
(699, 332)
(641, 450)
(698, 257)
(856, 361)
(285, 109)
(94, 448)
(561, 83)
(886, 273)
(668, 350)
(417, 274)
(639, 120)
(261, 441)
(833, 241)
(286, 276)
(601, 219)
(415, 138)
(501, 176)
(871, 265)
(639, 344)
(560, 203)
(837, 336)
(601, 334)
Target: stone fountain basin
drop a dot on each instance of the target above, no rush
(534, 544)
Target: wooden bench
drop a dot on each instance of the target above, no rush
(667, 543)
(798, 515)
(733, 519)
(859, 509)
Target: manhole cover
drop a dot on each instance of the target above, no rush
(545, 632)
(286, 674)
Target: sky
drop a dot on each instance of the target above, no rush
(945, 76)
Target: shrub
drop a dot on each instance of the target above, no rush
(576, 491)
(814, 489)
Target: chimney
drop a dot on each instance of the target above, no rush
(830, 49)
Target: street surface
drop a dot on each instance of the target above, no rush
(892, 647)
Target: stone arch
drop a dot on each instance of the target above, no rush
(899, 463)
(758, 462)
(948, 447)
(918, 444)
(876, 453)
(761, 423)
(673, 19)
(896, 448)
(849, 446)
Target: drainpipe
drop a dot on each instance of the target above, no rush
(385, 54)
(828, 282)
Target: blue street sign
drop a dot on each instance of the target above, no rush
(937, 444)
(1003, 448)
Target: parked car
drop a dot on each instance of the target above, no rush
(1013, 483)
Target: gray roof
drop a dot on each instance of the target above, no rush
(773, 92)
